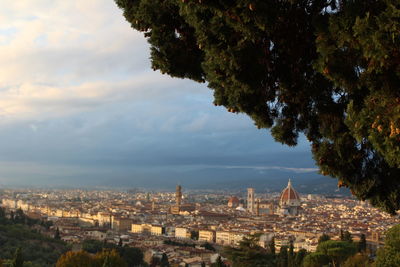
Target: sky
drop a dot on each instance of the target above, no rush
(79, 104)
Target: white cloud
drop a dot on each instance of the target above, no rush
(60, 55)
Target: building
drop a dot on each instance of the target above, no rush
(157, 230)
(176, 209)
(136, 228)
(222, 238)
(121, 224)
(178, 195)
(182, 232)
(207, 236)
(264, 208)
(229, 238)
(233, 202)
(250, 200)
(289, 201)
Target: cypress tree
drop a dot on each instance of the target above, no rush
(164, 260)
(57, 234)
(283, 257)
(272, 246)
(18, 260)
(362, 244)
(325, 237)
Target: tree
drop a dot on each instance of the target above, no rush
(2, 212)
(132, 256)
(337, 251)
(208, 246)
(249, 253)
(164, 260)
(109, 258)
(325, 69)
(272, 246)
(93, 246)
(359, 260)
(389, 255)
(57, 234)
(194, 235)
(18, 260)
(316, 259)
(107, 262)
(300, 257)
(76, 259)
(155, 261)
(362, 244)
(283, 257)
(218, 263)
(323, 238)
(346, 236)
(290, 257)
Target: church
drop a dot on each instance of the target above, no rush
(289, 201)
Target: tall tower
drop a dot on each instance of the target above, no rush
(178, 195)
(250, 200)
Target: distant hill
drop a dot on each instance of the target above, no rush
(228, 178)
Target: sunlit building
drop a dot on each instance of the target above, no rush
(289, 201)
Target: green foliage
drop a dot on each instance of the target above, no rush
(164, 261)
(179, 244)
(362, 244)
(218, 263)
(283, 257)
(271, 246)
(323, 238)
(327, 69)
(76, 259)
(249, 253)
(300, 257)
(109, 258)
(389, 255)
(290, 257)
(93, 246)
(57, 234)
(359, 260)
(208, 246)
(346, 236)
(337, 251)
(105, 258)
(17, 261)
(316, 259)
(132, 256)
(35, 249)
(194, 235)
(155, 262)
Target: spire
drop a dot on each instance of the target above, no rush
(289, 183)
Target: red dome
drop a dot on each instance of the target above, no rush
(289, 196)
(233, 202)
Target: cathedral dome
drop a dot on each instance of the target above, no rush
(233, 202)
(289, 196)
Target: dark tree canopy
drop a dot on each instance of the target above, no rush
(328, 69)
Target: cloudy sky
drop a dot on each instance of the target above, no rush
(79, 103)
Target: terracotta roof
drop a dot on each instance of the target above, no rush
(289, 193)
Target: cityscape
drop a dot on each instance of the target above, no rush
(160, 222)
(200, 133)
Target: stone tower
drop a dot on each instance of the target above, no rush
(178, 195)
(250, 200)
